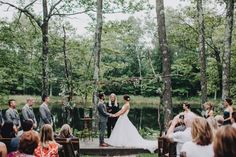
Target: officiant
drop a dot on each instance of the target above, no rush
(112, 107)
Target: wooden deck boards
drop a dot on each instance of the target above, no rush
(91, 147)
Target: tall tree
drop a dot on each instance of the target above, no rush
(97, 49)
(227, 48)
(166, 66)
(55, 9)
(202, 53)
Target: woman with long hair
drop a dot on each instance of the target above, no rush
(228, 111)
(47, 146)
(202, 136)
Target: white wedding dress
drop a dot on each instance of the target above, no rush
(125, 134)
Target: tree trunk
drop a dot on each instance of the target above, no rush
(227, 49)
(97, 50)
(67, 76)
(44, 29)
(219, 69)
(166, 67)
(202, 53)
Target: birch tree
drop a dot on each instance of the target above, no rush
(166, 66)
(202, 53)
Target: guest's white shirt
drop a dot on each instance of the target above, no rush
(181, 137)
(234, 125)
(194, 150)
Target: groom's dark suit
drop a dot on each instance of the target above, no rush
(103, 116)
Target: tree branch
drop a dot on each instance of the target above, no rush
(53, 7)
(30, 4)
(25, 11)
(69, 14)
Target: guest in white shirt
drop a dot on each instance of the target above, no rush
(233, 119)
(181, 136)
(201, 144)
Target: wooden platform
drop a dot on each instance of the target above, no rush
(91, 147)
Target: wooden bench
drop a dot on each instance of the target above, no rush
(166, 148)
(70, 147)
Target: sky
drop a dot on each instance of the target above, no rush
(80, 21)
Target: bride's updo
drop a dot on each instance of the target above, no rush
(126, 97)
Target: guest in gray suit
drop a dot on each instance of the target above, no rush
(45, 113)
(12, 115)
(103, 116)
(28, 113)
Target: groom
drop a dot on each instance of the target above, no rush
(103, 116)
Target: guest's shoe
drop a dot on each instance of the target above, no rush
(103, 145)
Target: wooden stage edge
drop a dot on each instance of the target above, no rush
(91, 147)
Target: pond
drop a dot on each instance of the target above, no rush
(145, 117)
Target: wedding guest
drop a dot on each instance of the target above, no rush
(112, 107)
(180, 126)
(3, 150)
(213, 123)
(47, 145)
(28, 113)
(202, 136)
(28, 143)
(224, 143)
(181, 136)
(233, 120)
(228, 111)
(12, 114)
(65, 132)
(209, 109)
(103, 116)
(45, 113)
(220, 120)
(9, 131)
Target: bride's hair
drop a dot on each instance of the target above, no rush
(126, 97)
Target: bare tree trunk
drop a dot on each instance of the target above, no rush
(44, 28)
(219, 68)
(97, 50)
(202, 53)
(67, 75)
(227, 48)
(166, 67)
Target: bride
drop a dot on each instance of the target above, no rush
(125, 134)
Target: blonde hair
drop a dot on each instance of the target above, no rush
(201, 132)
(115, 103)
(65, 131)
(225, 142)
(46, 135)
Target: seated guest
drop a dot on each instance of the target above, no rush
(47, 146)
(224, 143)
(202, 136)
(3, 150)
(209, 110)
(9, 131)
(28, 143)
(180, 126)
(27, 125)
(181, 136)
(65, 132)
(213, 123)
(220, 120)
(233, 120)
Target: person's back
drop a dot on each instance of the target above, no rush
(47, 146)
(202, 136)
